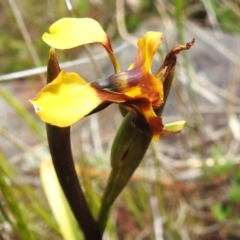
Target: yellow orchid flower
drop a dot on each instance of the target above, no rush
(69, 98)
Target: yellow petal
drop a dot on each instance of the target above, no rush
(140, 81)
(147, 47)
(72, 32)
(173, 128)
(65, 100)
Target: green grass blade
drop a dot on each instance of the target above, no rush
(20, 224)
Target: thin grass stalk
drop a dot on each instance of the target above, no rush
(38, 207)
(4, 214)
(26, 35)
(194, 114)
(157, 190)
(20, 225)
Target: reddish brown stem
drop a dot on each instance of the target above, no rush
(60, 148)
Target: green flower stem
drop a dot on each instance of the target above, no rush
(60, 149)
(130, 145)
(128, 149)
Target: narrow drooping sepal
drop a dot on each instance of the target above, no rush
(171, 58)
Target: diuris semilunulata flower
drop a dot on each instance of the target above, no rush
(69, 97)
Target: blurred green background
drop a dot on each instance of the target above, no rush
(187, 187)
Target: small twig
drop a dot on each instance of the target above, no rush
(157, 219)
(64, 65)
